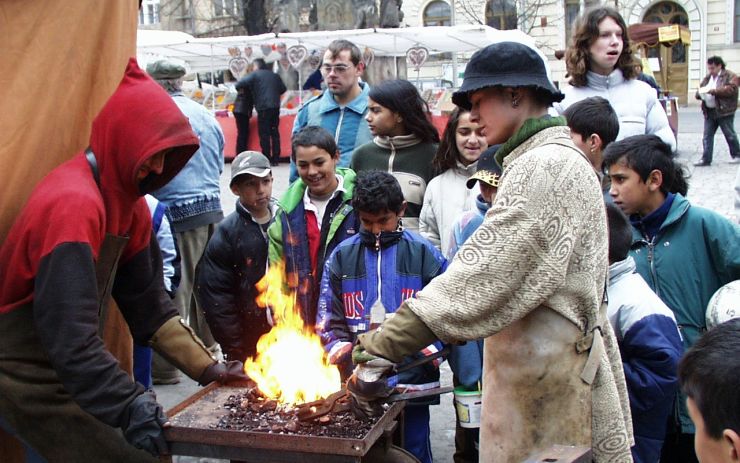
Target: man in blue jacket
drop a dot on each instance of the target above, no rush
(685, 253)
(341, 108)
(366, 279)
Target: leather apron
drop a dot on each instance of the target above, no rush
(34, 402)
(536, 391)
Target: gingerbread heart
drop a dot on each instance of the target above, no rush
(368, 56)
(248, 53)
(416, 57)
(238, 66)
(296, 55)
(266, 50)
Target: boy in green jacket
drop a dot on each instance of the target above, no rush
(684, 252)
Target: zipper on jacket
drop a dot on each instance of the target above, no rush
(393, 155)
(651, 263)
(339, 126)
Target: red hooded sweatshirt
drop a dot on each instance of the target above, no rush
(48, 259)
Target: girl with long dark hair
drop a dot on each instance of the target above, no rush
(405, 142)
(447, 195)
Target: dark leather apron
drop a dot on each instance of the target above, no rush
(34, 402)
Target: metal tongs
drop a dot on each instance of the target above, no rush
(342, 400)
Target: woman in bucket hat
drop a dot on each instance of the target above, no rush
(600, 63)
(530, 280)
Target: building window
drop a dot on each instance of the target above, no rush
(737, 21)
(501, 14)
(149, 12)
(437, 13)
(572, 9)
(227, 7)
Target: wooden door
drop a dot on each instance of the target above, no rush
(674, 72)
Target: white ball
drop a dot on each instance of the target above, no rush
(724, 304)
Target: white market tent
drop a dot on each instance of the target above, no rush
(206, 54)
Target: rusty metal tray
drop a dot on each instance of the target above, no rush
(192, 434)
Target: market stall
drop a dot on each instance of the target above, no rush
(665, 49)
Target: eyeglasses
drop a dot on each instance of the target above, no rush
(337, 68)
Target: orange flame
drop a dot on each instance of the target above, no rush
(291, 365)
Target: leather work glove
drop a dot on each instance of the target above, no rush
(339, 352)
(369, 382)
(144, 423)
(224, 372)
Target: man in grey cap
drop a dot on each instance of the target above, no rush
(193, 200)
(236, 259)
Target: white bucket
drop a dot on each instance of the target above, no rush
(468, 405)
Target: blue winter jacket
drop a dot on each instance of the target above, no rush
(193, 197)
(650, 346)
(347, 124)
(356, 276)
(694, 253)
(466, 360)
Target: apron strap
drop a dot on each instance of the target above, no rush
(593, 343)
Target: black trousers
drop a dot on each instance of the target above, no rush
(267, 125)
(678, 448)
(242, 131)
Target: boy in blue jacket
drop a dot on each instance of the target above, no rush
(648, 338)
(685, 253)
(367, 277)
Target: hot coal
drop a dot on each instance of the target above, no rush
(249, 411)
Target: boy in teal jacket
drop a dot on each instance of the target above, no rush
(684, 252)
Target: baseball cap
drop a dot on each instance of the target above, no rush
(250, 162)
(488, 169)
(164, 69)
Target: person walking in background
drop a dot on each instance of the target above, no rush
(314, 216)
(236, 259)
(266, 88)
(193, 200)
(383, 255)
(243, 107)
(341, 108)
(718, 95)
(648, 339)
(447, 195)
(599, 63)
(645, 77)
(685, 253)
(405, 142)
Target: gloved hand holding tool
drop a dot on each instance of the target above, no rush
(375, 378)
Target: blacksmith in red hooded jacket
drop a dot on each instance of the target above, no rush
(84, 236)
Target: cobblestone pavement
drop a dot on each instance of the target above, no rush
(711, 187)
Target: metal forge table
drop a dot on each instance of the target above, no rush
(193, 433)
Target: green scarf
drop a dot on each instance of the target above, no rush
(529, 128)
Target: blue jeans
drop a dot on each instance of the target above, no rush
(727, 123)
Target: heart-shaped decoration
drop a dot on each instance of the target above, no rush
(284, 63)
(417, 56)
(238, 66)
(368, 56)
(266, 49)
(296, 55)
(281, 48)
(234, 51)
(248, 53)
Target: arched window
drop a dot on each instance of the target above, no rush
(501, 14)
(437, 13)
